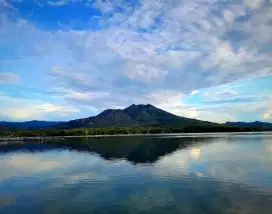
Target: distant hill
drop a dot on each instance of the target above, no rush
(34, 124)
(256, 124)
(132, 116)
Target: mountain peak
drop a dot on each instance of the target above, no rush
(140, 106)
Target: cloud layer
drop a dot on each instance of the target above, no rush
(118, 52)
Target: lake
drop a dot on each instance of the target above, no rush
(201, 174)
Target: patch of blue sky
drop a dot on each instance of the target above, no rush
(242, 91)
(245, 17)
(198, 167)
(27, 92)
(28, 71)
(75, 15)
(246, 117)
(253, 86)
(234, 37)
(193, 99)
(267, 48)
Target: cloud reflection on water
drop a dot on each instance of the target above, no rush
(225, 175)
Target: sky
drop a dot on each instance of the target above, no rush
(68, 59)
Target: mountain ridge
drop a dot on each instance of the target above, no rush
(132, 116)
(255, 124)
(32, 124)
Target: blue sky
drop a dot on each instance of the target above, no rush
(205, 59)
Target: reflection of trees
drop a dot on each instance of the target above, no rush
(133, 149)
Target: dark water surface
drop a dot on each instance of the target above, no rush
(203, 174)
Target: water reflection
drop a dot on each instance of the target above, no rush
(133, 149)
(225, 174)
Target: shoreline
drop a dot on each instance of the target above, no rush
(46, 138)
(40, 138)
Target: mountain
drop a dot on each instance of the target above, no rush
(132, 116)
(34, 124)
(256, 124)
(150, 115)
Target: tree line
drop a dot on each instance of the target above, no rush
(124, 130)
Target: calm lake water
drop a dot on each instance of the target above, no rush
(220, 174)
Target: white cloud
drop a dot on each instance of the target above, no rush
(75, 76)
(38, 111)
(144, 72)
(8, 78)
(104, 6)
(207, 94)
(145, 15)
(32, 109)
(268, 114)
(220, 93)
(164, 97)
(253, 4)
(216, 116)
(174, 59)
(229, 16)
(225, 59)
(170, 101)
(86, 96)
(245, 111)
(190, 112)
(74, 95)
(228, 92)
(58, 3)
(194, 92)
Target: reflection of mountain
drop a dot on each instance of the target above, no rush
(133, 149)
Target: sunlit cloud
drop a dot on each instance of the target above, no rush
(268, 114)
(194, 92)
(31, 109)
